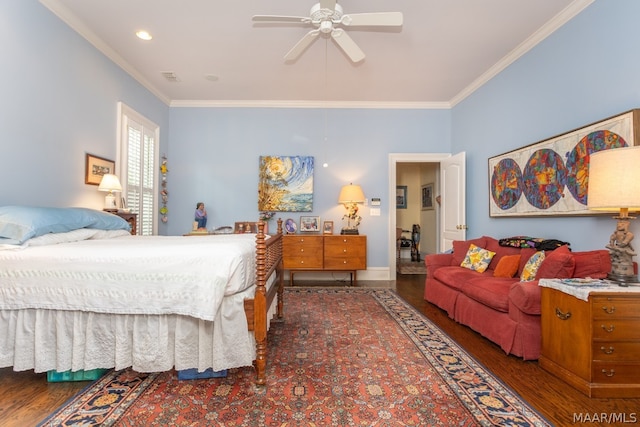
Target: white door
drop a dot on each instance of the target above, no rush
(452, 192)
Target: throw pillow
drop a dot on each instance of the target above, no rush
(477, 259)
(531, 267)
(557, 264)
(507, 266)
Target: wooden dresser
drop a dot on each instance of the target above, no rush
(317, 252)
(593, 345)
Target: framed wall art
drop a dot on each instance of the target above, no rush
(551, 177)
(427, 197)
(401, 197)
(96, 167)
(285, 184)
(309, 223)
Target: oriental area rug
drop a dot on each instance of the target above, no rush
(341, 357)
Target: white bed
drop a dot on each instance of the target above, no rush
(89, 298)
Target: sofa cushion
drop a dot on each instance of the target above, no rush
(493, 245)
(595, 264)
(460, 248)
(508, 266)
(557, 264)
(490, 291)
(477, 259)
(532, 266)
(456, 277)
(526, 296)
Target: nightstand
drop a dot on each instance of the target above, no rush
(593, 344)
(131, 218)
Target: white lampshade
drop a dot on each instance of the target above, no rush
(614, 180)
(351, 194)
(109, 182)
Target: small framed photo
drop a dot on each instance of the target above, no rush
(96, 167)
(327, 227)
(309, 223)
(427, 197)
(401, 197)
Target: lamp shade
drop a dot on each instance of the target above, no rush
(109, 182)
(614, 180)
(351, 194)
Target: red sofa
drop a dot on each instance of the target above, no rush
(503, 309)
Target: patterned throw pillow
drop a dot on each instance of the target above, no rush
(531, 267)
(477, 259)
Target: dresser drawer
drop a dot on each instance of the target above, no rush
(302, 252)
(345, 253)
(616, 373)
(615, 329)
(608, 307)
(616, 350)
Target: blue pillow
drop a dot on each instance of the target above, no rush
(21, 223)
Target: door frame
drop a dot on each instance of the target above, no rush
(394, 159)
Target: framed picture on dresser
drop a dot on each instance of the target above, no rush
(309, 223)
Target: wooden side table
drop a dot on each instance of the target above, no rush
(131, 218)
(593, 345)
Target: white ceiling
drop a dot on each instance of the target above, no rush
(444, 50)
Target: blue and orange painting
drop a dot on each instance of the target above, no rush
(286, 184)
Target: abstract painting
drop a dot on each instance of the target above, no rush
(551, 177)
(285, 184)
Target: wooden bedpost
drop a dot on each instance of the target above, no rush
(260, 306)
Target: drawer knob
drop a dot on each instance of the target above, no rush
(344, 262)
(561, 315)
(609, 373)
(608, 310)
(607, 350)
(609, 329)
(344, 250)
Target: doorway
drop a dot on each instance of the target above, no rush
(396, 161)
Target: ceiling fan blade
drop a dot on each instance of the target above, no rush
(302, 45)
(347, 44)
(328, 4)
(276, 18)
(388, 19)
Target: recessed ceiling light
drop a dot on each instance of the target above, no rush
(142, 34)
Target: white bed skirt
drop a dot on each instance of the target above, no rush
(45, 340)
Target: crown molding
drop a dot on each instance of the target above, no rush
(310, 104)
(551, 26)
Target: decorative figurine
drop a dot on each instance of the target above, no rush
(201, 215)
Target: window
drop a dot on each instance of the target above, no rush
(138, 163)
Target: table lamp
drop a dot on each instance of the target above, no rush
(350, 196)
(614, 186)
(110, 183)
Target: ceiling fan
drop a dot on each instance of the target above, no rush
(325, 17)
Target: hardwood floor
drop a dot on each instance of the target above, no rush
(26, 398)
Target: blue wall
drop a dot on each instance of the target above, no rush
(60, 96)
(586, 71)
(214, 156)
(59, 101)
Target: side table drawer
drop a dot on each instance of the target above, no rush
(616, 373)
(616, 329)
(608, 307)
(615, 350)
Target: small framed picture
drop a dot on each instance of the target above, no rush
(309, 223)
(327, 227)
(96, 167)
(290, 226)
(401, 197)
(427, 197)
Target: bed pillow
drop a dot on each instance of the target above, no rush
(477, 259)
(21, 223)
(532, 266)
(507, 266)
